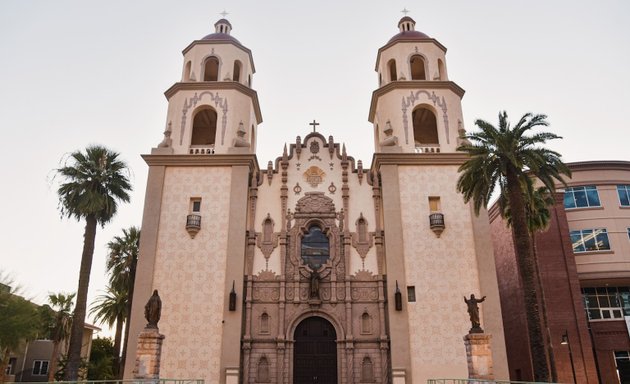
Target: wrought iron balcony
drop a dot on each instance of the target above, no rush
(436, 223)
(193, 225)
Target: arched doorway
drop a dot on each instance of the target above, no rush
(315, 352)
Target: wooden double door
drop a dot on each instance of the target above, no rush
(315, 352)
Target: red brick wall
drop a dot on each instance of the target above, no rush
(609, 336)
(565, 309)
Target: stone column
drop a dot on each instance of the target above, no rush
(479, 355)
(148, 354)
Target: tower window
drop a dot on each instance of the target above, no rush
(417, 68)
(211, 69)
(441, 71)
(392, 70)
(204, 127)
(237, 71)
(424, 127)
(315, 248)
(187, 71)
(195, 205)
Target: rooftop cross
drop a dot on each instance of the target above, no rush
(405, 11)
(314, 124)
(224, 13)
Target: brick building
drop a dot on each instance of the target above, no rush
(584, 261)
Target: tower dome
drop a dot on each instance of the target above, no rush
(407, 27)
(222, 31)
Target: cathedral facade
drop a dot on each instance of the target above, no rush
(315, 268)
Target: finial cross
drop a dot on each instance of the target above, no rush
(314, 124)
(224, 13)
(405, 11)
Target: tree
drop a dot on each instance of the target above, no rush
(101, 359)
(19, 321)
(111, 308)
(93, 183)
(121, 264)
(62, 306)
(505, 157)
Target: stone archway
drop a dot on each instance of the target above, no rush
(315, 352)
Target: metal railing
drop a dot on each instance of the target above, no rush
(130, 381)
(478, 381)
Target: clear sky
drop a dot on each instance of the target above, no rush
(74, 73)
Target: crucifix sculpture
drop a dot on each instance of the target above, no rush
(405, 11)
(314, 124)
(224, 13)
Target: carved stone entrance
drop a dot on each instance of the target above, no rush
(315, 352)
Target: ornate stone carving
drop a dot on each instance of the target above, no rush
(314, 147)
(266, 275)
(332, 188)
(266, 294)
(267, 241)
(362, 240)
(315, 202)
(364, 293)
(410, 101)
(297, 189)
(314, 176)
(218, 101)
(167, 142)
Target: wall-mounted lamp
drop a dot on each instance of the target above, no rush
(398, 298)
(232, 305)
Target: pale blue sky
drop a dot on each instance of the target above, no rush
(74, 73)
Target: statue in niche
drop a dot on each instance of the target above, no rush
(153, 310)
(314, 285)
(473, 312)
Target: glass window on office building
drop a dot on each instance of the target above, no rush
(624, 195)
(581, 197)
(606, 303)
(590, 240)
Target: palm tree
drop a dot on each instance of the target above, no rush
(504, 157)
(94, 182)
(538, 215)
(121, 264)
(62, 321)
(111, 308)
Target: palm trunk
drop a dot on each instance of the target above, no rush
(526, 265)
(117, 342)
(4, 363)
(53, 361)
(132, 282)
(543, 300)
(78, 319)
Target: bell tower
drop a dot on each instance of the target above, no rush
(213, 109)
(416, 109)
(194, 222)
(436, 249)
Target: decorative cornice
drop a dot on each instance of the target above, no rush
(380, 159)
(202, 160)
(224, 41)
(600, 165)
(214, 85)
(414, 41)
(412, 84)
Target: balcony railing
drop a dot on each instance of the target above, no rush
(201, 150)
(427, 148)
(436, 223)
(193, 224)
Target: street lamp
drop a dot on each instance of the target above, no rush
(565, 341)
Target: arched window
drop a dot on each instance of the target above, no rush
(367, 370)
(417, 68)
(315, 248)
(237, 71)
(264, 323)
(187, 71)
(392, 70)
(204, 127)
(211, 69)
(267, 229)
(263, 370)
(366, 323)
(424, 126)
(441, 72)
(362, 229)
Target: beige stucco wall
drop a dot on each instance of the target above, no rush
(443, 271)
(599, 266)
(190, 273)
